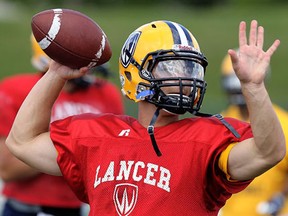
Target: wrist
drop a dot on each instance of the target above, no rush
(254, 92)
(54, 77)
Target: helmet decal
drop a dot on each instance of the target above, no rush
(180, 34)
(129, 48)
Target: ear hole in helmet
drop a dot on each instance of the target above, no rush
(128, 75)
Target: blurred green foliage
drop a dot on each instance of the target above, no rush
(216, 29)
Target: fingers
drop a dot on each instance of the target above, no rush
(83, 70)
(256, 35)
(273, 47)
(242, 34)
(233, 55)
(65, 72)
(253, 33)
(76, 73)
(260, 37)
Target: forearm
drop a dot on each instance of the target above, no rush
(268, 134)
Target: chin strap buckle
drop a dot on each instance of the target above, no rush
(150, 130)
(227, 125)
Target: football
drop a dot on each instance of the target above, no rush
(71, 38)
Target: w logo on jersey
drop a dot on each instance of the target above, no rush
(125, 198)
(128, 48)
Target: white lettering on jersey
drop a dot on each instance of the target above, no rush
(129, 170)
(165, 176)
(151, 169)
(124, 170)
(97, 181)
(109, 175)
(135, 175)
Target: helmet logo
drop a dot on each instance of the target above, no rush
(129, 48)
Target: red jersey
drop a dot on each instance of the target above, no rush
(101, 97)
(110, 163)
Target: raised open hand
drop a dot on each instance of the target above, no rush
(251, 62)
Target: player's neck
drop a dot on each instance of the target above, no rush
(146, 112)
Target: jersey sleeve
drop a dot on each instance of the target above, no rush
(223, 160)
(217, 185)
(61, 135)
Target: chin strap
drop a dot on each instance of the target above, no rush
(150, 130)
(227, 125)
(223, 121)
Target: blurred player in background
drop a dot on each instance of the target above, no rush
(266, 195)
(28, 191)
(156, 164)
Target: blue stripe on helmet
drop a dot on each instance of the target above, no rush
(180, 34)
(188, 36)
(174, 31)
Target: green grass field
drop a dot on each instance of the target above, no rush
(216, 30)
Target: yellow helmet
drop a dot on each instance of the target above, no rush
(39, 59)
(145, 66)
